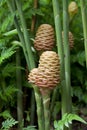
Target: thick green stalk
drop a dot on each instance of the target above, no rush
(21, 37)
(46, 105)
(58, 28)
(84, 21)
(32, 108)
(26, 34)
(39, 108)
(67, 56)
(33, 97)
(19, 95)
(55, 93)
(67, 53)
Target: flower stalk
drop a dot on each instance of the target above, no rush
(67, 57)
(64, 54)
(39, 104)
(84, 22)
(67, 53)
(58, 28)
(46, 105)
(33, 95)
(25, 34)
(19, 94)
(11, 6)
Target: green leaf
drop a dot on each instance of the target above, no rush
(29, 128)
(76, 117)
(57, 108)
(5, 114)
(6, 125)
(77, 91)
(7, 53)
(5, 25)
(84, 97)
(2, 2)
(8, 70)
(66, 120)
(67, 124)
(11, 33)
(81, 58)
(7, 93)
(55, 124)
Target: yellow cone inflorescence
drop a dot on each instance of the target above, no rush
(72, 8)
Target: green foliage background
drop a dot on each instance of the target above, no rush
(8, 89)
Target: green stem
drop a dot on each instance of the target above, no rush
(55, 93)
(26, 34)
(84, 21)
(19, 95)
(58, 28)
(39, 108)
(67, 56)
(46, 104)
(67, 53)
(32, 115)
(11, 7)
(32, 96)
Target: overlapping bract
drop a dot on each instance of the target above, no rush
(71, 39)
(72, 8)
(33, 75)
(44, 40)
(47, 75)
(49, 70)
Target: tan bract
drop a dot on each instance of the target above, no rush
(49, 70)
(71, 39)
(33, 75)
(44, 39)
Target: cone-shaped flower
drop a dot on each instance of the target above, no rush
(71, 39)
(72, 8)
(33, 75)
(44, 39)
(48, 70)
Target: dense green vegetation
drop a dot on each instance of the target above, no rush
(18, 57)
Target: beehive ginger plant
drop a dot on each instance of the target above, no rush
(46, 77)
(44, 39)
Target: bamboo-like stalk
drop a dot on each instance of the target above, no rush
(67, 56)
(39, 108)
(55, 93)
(84, 22)
(32, 108)
(26, 34)
(67, 53)
(33, 97)
(19, 95)
(58, 28)
(46, 105)
(21, 37)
